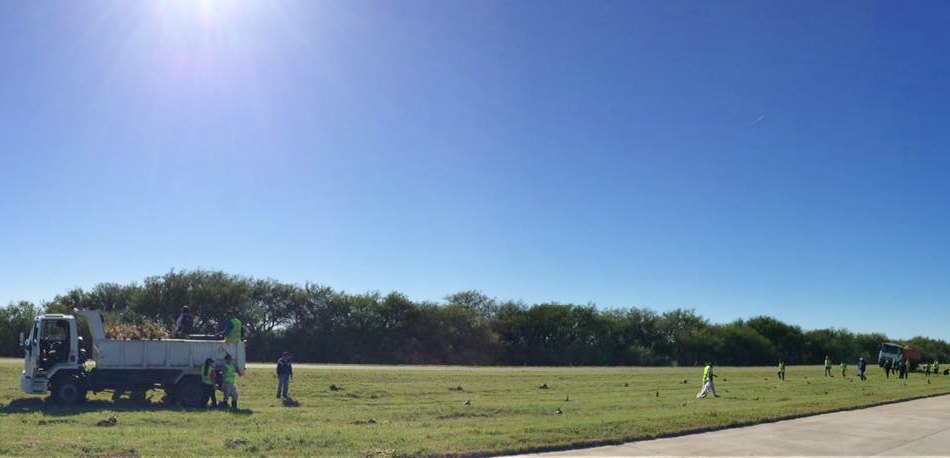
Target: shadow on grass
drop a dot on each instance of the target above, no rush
(46, 406)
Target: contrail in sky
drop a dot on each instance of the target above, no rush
(757, 120)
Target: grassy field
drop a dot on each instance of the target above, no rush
(420, 411)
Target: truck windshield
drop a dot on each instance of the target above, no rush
(55, 330)
(54, 342)
(890, 348)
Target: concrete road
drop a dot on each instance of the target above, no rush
(920, 427)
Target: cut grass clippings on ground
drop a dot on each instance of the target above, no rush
(406, 411)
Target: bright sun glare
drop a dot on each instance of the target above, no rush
(204, 11)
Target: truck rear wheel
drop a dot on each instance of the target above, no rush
(189, 392)
(68, 389)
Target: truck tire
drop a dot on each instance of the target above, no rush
(68, 388)
(189, 392)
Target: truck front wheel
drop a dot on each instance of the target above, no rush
(68, 389)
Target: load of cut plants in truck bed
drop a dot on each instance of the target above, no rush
(146, 330)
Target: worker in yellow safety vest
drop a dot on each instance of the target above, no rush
(207, 383)
(781, 369)
(232, 332)
(827, 366)
(230, 391)
(708, 386)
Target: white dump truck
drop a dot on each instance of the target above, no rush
(55, 361)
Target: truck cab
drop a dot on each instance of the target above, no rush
(889, 352)
(51, 352)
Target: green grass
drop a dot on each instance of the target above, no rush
(417, 411)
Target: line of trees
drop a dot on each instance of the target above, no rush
(320, 324)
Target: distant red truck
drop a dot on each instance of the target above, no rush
(912, 355)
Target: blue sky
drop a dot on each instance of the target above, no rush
(738, 157)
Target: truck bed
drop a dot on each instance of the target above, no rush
(172, 353)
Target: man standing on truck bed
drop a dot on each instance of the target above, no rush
(184, 323)
(232, 331)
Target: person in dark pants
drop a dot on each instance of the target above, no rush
(887, 369)
(285, 372)
(862, 366)
(903, 369)
(207, 383)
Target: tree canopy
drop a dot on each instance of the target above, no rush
(320, 324)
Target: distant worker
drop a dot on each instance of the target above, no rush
(233, 332)
(844, 367)
(184, 323)
(229, 389)
(903, 369)
(927, 370)
(895, 368)
(708, 386)
(827, 366)
(207, 383)
(936, 367)
(862, 366)
(887, 369)
(285, 372)
(781, 369)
